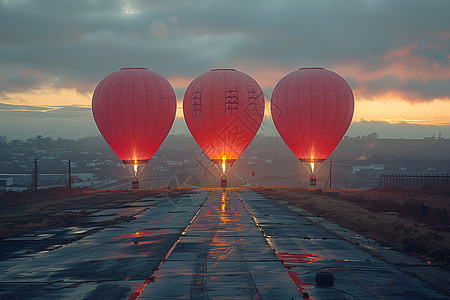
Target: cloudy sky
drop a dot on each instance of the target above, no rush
(394, 54)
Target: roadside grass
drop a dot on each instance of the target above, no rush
(413, 223)
(11, 211)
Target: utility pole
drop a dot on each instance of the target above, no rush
(70, 176)
(331, 165)
(35, 178)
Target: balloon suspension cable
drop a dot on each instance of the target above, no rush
(135, 181)
(312, 165)
(223, 177)
(312, 177)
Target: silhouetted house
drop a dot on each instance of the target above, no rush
(174, 163)
(5, 181)
(374, 167)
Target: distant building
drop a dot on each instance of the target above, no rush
(375, 167)
(48, 157)
(82, 179)
(161, 169)
(5, 181)
(16, 143)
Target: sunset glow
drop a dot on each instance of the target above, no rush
(398, 111)
(168, 149)
(398, 76)
(386, 107)
(48, 96)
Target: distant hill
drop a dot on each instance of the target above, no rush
(365, 149)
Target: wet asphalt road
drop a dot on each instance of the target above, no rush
(204, 245)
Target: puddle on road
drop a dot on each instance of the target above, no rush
(147, 233)
(299, 258)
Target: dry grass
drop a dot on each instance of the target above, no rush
(416, 224)
(21, 212)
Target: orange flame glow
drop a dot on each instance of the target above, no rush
(224, 159)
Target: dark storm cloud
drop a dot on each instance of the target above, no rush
(415, 91)
(76, 43)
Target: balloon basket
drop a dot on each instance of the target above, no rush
(312, 181)
(135, 184)
(223, 183)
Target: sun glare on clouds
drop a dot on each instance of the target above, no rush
(49, 96)
(398, 111)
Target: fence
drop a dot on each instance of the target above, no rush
(433, 182)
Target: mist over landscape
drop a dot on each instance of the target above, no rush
(83, 126)
(268, 156)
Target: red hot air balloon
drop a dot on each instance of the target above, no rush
(134, 109)
(223, 109)
(312, 109)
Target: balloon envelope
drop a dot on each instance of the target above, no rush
(134, 109)
(223, 109)
(312, 109)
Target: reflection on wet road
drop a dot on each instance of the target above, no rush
(204, 245)
(222, 255)
(307, 249)
(108, 264)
